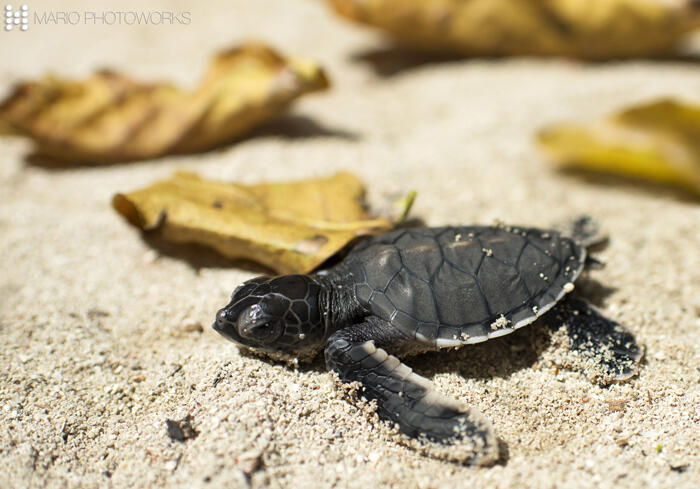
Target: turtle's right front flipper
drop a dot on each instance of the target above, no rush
(408, 399)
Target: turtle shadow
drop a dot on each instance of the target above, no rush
(316, 364)
(593, 291)
(502, 356)
(496, 358)
(503, 452)
(411, 222)
(392, 60)
(288, 127)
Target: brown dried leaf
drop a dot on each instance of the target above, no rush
(657, 141)
(592, 29)
(290, 227)
(110, 117)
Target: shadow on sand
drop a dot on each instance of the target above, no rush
(288, 127)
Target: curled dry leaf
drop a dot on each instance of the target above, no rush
(658, 141)
(110, 117)
(289, 227)
(592, 29)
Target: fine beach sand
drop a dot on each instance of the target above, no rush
(104, 336)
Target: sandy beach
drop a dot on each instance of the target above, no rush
(105, 335)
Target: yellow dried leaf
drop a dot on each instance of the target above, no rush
(658, 141)
(110, 117)
(290, 227)
(591, 29)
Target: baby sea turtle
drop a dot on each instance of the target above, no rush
(415, 290)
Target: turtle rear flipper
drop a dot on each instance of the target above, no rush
(585, 230)
(442, 426)
(608, 345)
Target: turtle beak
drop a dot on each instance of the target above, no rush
(252, 325)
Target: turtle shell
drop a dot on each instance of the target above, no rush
(454, 285)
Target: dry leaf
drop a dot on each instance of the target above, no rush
(592, 29)
(290, 227)
(658, 141)
(110, 117)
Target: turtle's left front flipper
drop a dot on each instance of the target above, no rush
(441, 426)
(608, 345)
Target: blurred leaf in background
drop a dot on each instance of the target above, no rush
(289, 227)
(110, 117)
(657, 141)
(591, 29)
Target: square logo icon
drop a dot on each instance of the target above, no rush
(17, 18)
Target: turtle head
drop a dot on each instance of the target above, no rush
(277, 315)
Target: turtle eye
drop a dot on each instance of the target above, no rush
(253, 324)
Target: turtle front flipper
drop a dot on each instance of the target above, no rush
(410, 400)
(609, 346)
